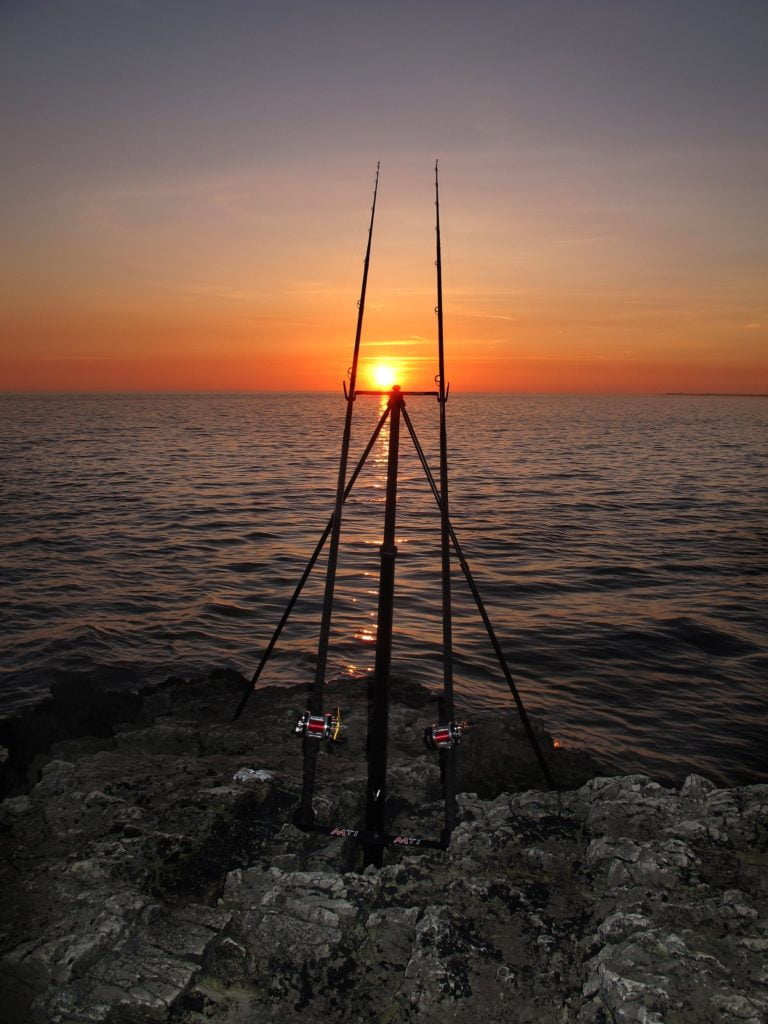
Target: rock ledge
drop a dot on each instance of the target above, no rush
(142, 883)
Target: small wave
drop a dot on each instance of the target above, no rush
(229, 611)
(241, 567)
(708, 639)
(699, 568)
(621, 575)
(203, 544)
(205, 525)
(36, 540)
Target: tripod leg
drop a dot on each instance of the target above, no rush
(251, 686)
(532, 737)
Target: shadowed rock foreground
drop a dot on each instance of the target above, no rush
(142, 883)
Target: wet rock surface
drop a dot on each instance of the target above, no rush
(142, 883)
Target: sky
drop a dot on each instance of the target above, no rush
(186, 187)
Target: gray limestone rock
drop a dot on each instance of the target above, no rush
(141, 882)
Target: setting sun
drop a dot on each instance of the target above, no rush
(383, 375)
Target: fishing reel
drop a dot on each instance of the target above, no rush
(442, 736)
(319, 727)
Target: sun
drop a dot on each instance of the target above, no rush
(384, 375)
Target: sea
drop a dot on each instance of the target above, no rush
(619, 545)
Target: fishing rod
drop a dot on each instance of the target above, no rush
(447, 756)
(304, 813)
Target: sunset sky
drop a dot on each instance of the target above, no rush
(186, 187)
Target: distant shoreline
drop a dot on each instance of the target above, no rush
(714, 394)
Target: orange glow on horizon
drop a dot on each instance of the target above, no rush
(466, 373)
(214, 344)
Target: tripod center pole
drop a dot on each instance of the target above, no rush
(378, 720)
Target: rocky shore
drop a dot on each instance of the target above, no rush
(146, 878)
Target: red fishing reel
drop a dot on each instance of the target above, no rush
(441, 736)
(319, 727)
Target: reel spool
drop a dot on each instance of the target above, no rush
(319, 727)
(441, 736)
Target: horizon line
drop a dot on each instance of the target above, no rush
(335, 391)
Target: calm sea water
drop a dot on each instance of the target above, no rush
(619, 543)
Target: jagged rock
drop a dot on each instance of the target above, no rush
(141, 882)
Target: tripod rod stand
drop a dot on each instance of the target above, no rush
(374, 836)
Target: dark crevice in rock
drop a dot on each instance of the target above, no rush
(232, 840)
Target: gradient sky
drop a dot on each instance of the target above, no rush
(186, 184)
